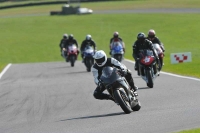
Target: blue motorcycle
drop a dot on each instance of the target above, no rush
(117, 51)
(88, 57)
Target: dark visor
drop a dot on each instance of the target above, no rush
(151, 36)
(100, 61)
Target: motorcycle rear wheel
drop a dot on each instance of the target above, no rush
(123, 101)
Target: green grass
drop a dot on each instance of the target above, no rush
(191, 131)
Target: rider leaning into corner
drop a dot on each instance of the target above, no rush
(102, 61)
(143, 43)
(116, 38)
(154, 39)
(88, 41)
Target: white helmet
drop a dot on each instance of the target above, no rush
(151, 33)
(88, 37)
(100, 58)
(65, 36)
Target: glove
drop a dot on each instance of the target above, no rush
(123, 72)
(110, 52)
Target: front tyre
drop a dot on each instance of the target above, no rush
(149, 78)
(123, 101)
(72, 60)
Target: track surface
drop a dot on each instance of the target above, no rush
(56, 98)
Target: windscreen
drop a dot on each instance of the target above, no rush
(109, 75)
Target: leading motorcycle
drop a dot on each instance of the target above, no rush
(118, 87)
(88, 57)
(148, 68)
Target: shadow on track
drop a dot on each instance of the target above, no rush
(78, 72)
(95, 116)
(142, 88)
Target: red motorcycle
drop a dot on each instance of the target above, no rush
(160, 53)
(71, 54)
(148, 67)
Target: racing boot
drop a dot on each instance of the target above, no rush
(134, 88)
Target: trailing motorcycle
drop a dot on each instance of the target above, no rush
(119, 89)
(88, 57)
(117, 51)
(148, 67)
(71, 54)
(160, 53)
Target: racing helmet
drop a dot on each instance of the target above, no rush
(71, 37)
(141, 36)
(116, 34)
(88, 37)
(100, 58)
(65, 36)
(151, 33)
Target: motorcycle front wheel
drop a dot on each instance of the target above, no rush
(72, 60)
(150, 79)
(123, 101)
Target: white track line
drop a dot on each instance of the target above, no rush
(175, 75)
(4, 70)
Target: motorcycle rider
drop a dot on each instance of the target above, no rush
(88, 41)
(102, 61)
(69, 41)
(116, 38)
(143, 43)
(62, 42)
(154, 39)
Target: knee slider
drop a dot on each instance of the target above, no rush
(96, 95)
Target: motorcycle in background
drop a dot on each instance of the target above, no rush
(160, 53)
(118, 87)
(117, 51)
(88, 57)
(148, 67)
(71, 54)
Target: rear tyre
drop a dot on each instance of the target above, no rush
(123, 101)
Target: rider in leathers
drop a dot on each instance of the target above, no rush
(154, 39)
(69, 41)
(140, 44)
(116, 38)
(62, 42)
(88, 41)
(102, 61)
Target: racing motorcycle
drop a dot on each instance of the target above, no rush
(118, 87)
(148, 68)
(71, 54)
(88, 57)
(117, 51)
(160, 53)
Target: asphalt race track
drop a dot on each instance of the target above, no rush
(57, 98)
